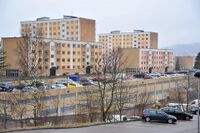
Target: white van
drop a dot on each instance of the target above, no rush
(181, 106)
(115, 118)
(194, 102)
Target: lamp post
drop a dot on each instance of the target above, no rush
(197, 75)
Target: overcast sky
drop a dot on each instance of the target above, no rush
(176, 21)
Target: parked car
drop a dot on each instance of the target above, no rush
(147, 76)
(21, 86)
(44, 87)
(180, 115)
(30, 89)
(115, 118)
(73, 84)
(194, 102)
(58, 86)
(194, 110)
(38, 83)
(139, 75)
(5, 87)
(158, 115)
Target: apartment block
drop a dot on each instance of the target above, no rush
(68, 27)
(148, 60)
(136, 39)
(67, 56)
(184, 62)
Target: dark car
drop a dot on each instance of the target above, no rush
(194, 110)
(6, 87)
(180, 115)
(139, 75)
(158, 115)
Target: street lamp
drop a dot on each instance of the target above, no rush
(197, 75)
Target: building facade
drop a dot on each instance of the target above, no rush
(184, 62)
(136, 39)
(68, 27)
(148, 60)
(66, 56)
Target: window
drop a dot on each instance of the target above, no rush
(52, 56)
(40, 60)
(63, 52)
(79, 60)
(63, 60)
(63, 67)
(58, 52)
(52, 63)
(46, 59)
(78, 46)
(68, 45)
(68, 52)
(74, 52)
(63, 45)
(74, 60)
(68, 66)
(74, 45)
(72, 33)
(68, 60)
(78, 52)
(58, 59)
(46, 51)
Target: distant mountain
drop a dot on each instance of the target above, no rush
(185, 49)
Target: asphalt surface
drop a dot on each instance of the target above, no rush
(130, 127)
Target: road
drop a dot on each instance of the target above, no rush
(130, 127)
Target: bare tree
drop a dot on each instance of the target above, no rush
(121, 97)
(90, 102)
(5, 109)
(142, 100)
(19, 107)
(36, 105)
(106, 74)
(33, 55)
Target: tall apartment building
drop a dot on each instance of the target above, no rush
(66, 56)
(146, 60)
(68, 27)
(140, 48)
(136, 39)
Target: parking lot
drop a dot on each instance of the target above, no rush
(130, 127)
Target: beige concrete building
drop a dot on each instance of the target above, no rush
(158, 60)
(66, 56)
(185, 62)
(68, 27)
(136, 39)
